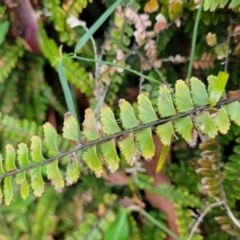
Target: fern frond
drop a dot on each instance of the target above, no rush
(100, 144)
(9, 57)
(206, 61)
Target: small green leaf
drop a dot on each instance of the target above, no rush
(90, 157)
(145, 143)
(223, 3)
(165, 102)
(90, 129)
(222, 122)
(37, 182)
(206, 125)
(22, 155)
(182, 97)
(108, 121)
(119, 229)
(70, 128)
(199, 92)
(184, 127)
(127, 115)
(36, 149)
(163, 157)
(73, 171)
(7, 190)
(22, 181)
(128, 148)
(50, 139)
(110, 155)
(55, 176)
(175, 8)
(145, 109)
(4, 26)
(165, 132)
(234, 3)
(233, 111)
(218, 88)
(10, 158)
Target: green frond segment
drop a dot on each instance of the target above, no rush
(145, 143)
(9, 58)
(165, 132)
(184, 126)
(37, 182)
(50, 138)
(127, 115)
(70, 128)
(221, 121)
(91, 159)
(90, 129)
(73, 171)
(110, 155)
(165, 102)
(128, 148)
(1, 173)
(8, 190)
(36, 149)
(10, 158)
(218, 88)
(206, 125)
(22, 155)
(146, 112)
(198, 92)
(163, 157)
(233, 111)
(55, 176)
(108, 121)
(24, 185)
(183, 97)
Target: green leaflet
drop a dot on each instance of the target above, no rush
(36, 149)
(145, 109)
(4, 26)
(1, 173)
(221, 120)
(162, 158)
(7, 190)
(90, 130)
(90, 157)
(50, 138)
(73, 171)
(175, 8)
(108, 121)
(145, 142)
(110, 155)
(165, 132)
(184, 127)
(206, 124)
(199, 92)
(24, 185)
(234, 3)
(222, 3)
(182, 97)
(127, 115)
(165, 102)
(119, 229)
(233, 111)
(70, 128)
(22, 155)
(10, 158)
(37, 182)
(218, 88)
(55, 176)
(128, 148)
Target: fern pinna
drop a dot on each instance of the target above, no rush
(188, 111)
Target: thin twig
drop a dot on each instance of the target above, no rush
(204, 213)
